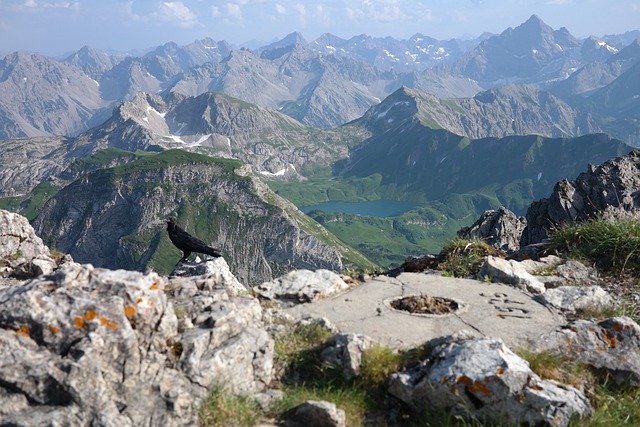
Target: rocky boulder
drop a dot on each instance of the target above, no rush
(510, 272)
(22, 253)
(482, 378)
(500, 228)
(612, 187)
(88, 346)
(345, 351)
(302, 286)
(610, 345)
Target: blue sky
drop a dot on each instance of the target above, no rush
(54, 27)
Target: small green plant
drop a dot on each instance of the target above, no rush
(377, 364)
(462, 258)
(598, 313)
(223, 409)
(612, 244)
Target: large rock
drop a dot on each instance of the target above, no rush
(345, 351)
(573, 298)
(500, 228)
(511, 273)
(612, 187)
(482, 378)
(89, 346)
(22, 253)
(302, 286)
(610, 345)
(213, 271)
(313, 413)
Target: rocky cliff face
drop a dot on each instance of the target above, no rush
(112, 218)
(614, 186)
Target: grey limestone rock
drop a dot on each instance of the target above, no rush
(611, 345)
(482, 378)
(345, 351)
(572, 298)
(208, 273)
(314, 413)
(500, 228)
(88, 346)
(22, 252)
(512, 273)
(612, 187)
(302, 286)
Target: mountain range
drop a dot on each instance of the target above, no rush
(329, 81)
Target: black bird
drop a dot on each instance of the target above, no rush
(188, 243)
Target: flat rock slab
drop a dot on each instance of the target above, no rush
(487, 309)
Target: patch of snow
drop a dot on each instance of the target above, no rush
(539, 175)
(96, 82)
(146, 119)
(330, 48)
(281, 172)
(175, 138)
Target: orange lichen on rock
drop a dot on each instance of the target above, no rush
(24, 330)
(112, 325)
(103, 321)
(617, 327)
(499, 371)
(610, 339)
(474, 387)
(129, 311)
(79, 323)
(90, 315)
(53, 329)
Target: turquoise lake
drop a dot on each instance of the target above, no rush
(379, 208)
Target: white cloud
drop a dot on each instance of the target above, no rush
(234, 11)
(176, 12)
(280, 9)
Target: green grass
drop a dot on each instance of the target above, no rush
(462, 258)
(223, 409)
(612, 244)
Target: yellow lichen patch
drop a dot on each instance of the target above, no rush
(154, 287)
(499, 371)
(600, 348)
(474, 387)
(79, 323)
(24, 330)
(112, 325)
(129, 311)
(103, 321)
(90, 315)
(53, 329)
(139, 301)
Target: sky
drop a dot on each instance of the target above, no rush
(57, 27)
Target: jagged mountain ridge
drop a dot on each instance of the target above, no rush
(112, 218)
(503, 111)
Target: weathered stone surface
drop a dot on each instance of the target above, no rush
(500, 228)
(302, 286)
(482, 378)
(549, 262)
(612, 187)
(22, 253)
(576, 273)
(572, 298)
(313, 413)
(208, 274)
(88, 346)
(612, 345)
(345, 351)
(511, 273)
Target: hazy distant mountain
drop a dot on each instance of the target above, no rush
(415, 54)
(317, 90)
(41, 96)
(533, 51)
(93, 62)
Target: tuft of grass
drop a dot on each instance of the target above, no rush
(377, 364)
(223, 409)
(463, 258)
(612, 244)
(625, 309)
(612, 408)
(555, 366)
